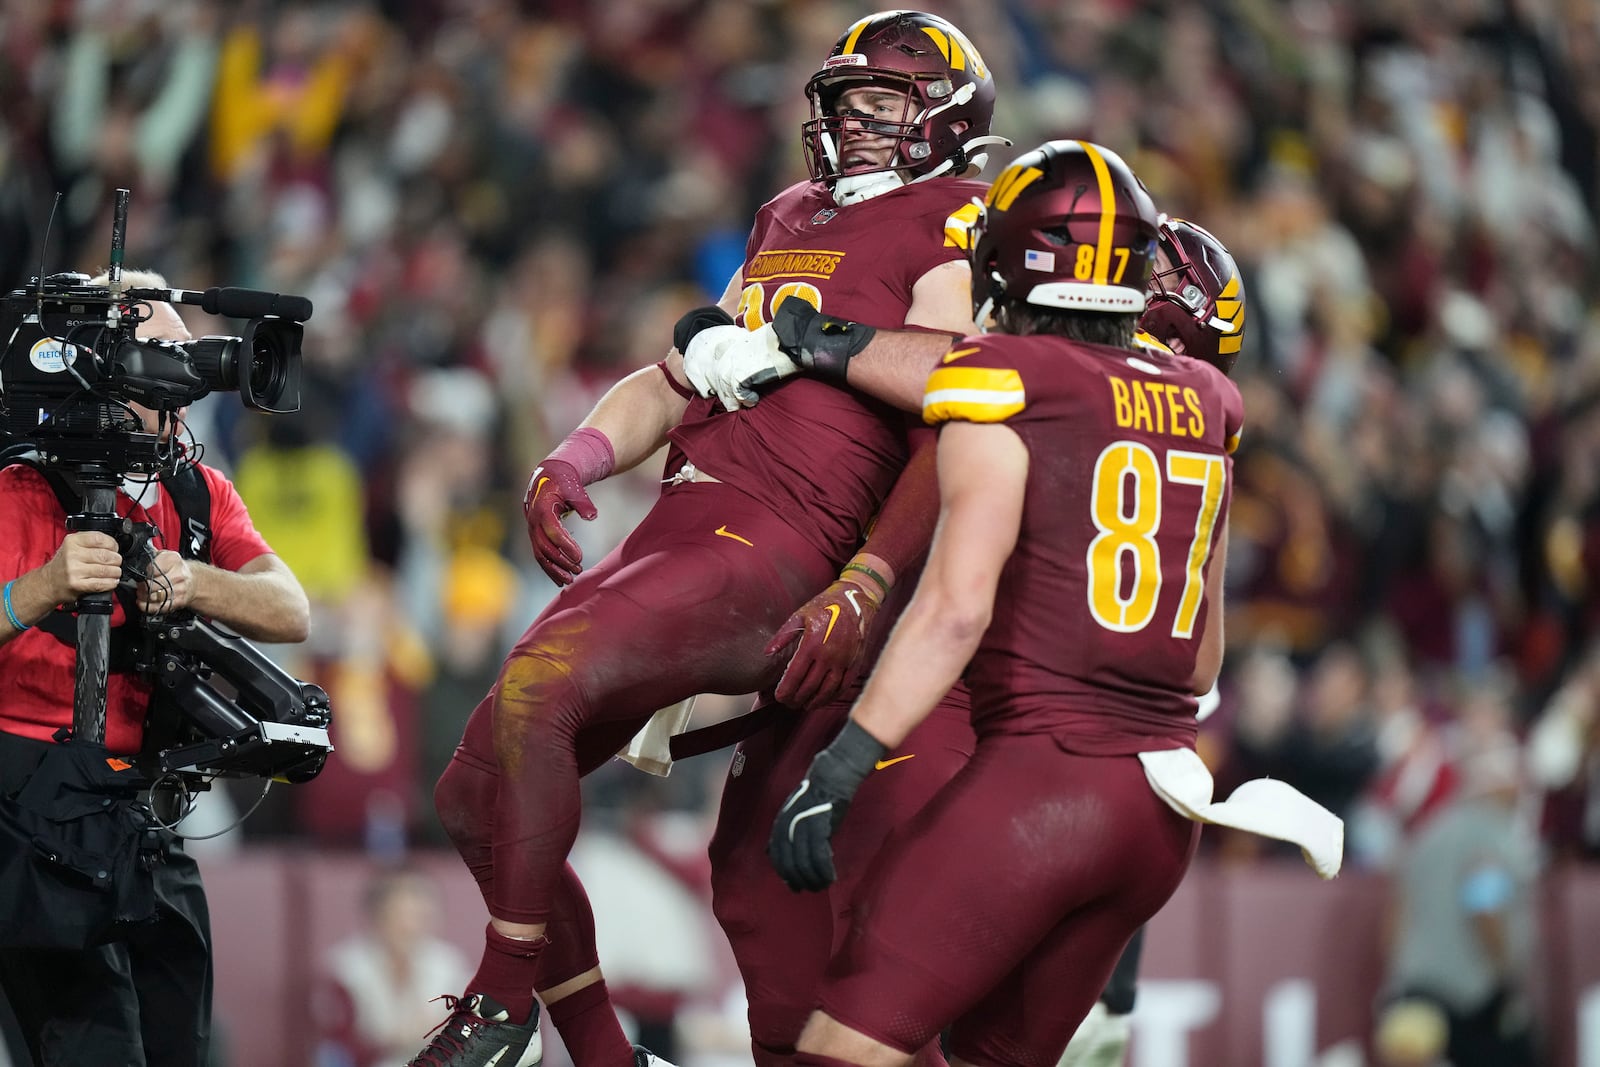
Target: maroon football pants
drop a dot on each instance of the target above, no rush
(1016, 887)
(782, 939)
(684, 606)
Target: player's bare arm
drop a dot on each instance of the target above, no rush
(983, 471)
(635, 415)
(627, 426)
(890, 365)
(894, 365)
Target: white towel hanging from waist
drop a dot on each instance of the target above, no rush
(1263, 806)
(649, 749)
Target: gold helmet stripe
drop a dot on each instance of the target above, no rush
(1228, 302)
(1231, 311)
(1009, 186)
(949, 47)
(1108, 213)
(855, 35)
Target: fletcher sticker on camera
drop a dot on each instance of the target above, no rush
(52, 356)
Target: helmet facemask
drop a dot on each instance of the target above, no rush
(1196, 299)
(942, 126)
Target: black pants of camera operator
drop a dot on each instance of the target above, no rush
(141, 1002)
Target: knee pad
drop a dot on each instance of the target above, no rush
(464, 800)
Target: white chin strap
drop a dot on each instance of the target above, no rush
(854, 188)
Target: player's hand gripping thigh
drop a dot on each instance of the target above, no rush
(555, 489)
(831, 629)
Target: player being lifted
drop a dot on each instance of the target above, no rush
(763, 509)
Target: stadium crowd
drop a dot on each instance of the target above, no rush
(499, 208)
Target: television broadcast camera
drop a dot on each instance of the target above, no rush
(71, 367)
(73, 362)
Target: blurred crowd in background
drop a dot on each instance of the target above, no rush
(501, 207)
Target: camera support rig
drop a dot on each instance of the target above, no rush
(71, 367)
(94, 609)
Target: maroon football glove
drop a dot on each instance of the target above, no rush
(832, 629)
(554, 489)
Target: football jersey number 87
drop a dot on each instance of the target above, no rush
(1128, 538)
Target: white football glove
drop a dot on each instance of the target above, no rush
(731, 363)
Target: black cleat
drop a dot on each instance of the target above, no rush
(479, 1033)
(643, 1057)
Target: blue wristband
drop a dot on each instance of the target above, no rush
(11, 612)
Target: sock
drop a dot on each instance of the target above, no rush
(589, 1028)
(506, 972)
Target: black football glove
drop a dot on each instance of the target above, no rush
(694, 320)
(801, 848)
(822, 344)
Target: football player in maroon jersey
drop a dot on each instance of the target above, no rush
(763, 509)
(1076, 576)
(1195, 306)
(924, 96)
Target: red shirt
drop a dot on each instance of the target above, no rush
(1100, 609)
(821, 456)
(36, 670)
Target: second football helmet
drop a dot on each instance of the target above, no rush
(1068, 226)
(947, 86)
(1196, 296)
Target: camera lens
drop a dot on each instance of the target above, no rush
(269, 368)
(271, 380)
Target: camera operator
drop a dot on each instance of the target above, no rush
(144, 998)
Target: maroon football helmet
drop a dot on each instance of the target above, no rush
(1196, 296)
(1069, 226)
(943, 76)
